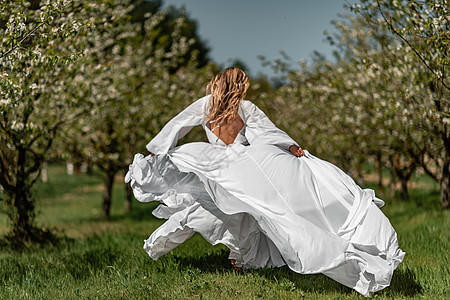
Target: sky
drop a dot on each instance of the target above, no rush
(244, 29)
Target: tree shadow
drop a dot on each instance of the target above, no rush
(37, 237)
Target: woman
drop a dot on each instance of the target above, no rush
(253, 189)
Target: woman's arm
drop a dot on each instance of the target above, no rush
(260, 130)
(178, 127)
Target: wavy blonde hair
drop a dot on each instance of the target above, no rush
(227, 90)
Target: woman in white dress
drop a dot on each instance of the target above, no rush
(253, 189)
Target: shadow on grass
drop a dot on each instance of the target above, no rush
(404, 282)
(219, 262)
(211, 262)
(37, 237)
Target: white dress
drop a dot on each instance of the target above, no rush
(267, 206)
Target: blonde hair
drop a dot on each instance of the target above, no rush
(227, 90)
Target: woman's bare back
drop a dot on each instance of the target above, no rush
(228, 130)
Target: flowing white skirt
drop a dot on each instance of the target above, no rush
(269, 208)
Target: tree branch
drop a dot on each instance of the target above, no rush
(21, 40)
(425, 167)
(40, 158)
(411, 46)
(32, 182)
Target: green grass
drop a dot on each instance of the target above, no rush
(104, 259)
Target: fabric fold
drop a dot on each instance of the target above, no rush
(262, 224)
(267, 206)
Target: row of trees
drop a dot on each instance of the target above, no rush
(94, 81)
(386, 98)
(87, 81)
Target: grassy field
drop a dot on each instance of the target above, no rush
(104, 259)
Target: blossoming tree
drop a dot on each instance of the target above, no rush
(386, 97)
(39, 48)
(139, 75)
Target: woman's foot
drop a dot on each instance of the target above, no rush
(233, 262)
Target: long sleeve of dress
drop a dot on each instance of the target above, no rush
(178, 127)
(260, 130)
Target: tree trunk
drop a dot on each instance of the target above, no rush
(404, 174)
(129, 197)
(359, 178)
(379, 173)
(20, 203)
(20, 212)
(445, 184)
(107, 193)
(76, 168)
(404, 190)
(392, 184)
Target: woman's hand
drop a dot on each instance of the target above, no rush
(297, 151)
